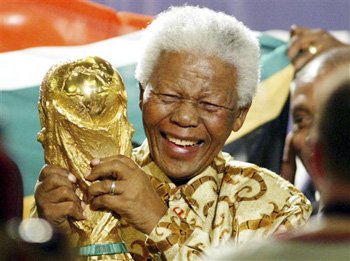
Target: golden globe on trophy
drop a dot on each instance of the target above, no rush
(83, 115)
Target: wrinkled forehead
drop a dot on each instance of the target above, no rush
(308, 74)
(304, 88)
(192, 66)
(305, 80)
(331, 81)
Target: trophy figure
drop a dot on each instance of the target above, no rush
(83, 115)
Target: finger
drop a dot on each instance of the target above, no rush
(298, 30)
(48, 170)
(302, 60)
(53, 181)
(95, 161)
(103, 202)
(82, 185)
(62, 194)
(114, 169)
(288, 168)
(64, 210)
(126, 160)
(306, 40)
(289, 151)
(288, 171)
(295, 47)
(103, 187)
(299, 43)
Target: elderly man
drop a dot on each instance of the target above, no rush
(180, 194)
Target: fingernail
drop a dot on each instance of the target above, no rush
(83, 205)
(72, 178)
(78, 192)
(95, 161)
(87, 173)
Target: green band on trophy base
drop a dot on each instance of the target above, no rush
(103, 249)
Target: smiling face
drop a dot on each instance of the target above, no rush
(189, 109)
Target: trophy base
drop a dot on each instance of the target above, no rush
(109, 251)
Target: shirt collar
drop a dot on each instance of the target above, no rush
(213, 174)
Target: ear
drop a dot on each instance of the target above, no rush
(241, 114)
(141, 96)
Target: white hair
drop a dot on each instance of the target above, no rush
(204, 32)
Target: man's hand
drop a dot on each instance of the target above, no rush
(56, 198)
(289, 166)
(135, 199)
(305, 44)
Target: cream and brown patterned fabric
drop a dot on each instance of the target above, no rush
(230, 200)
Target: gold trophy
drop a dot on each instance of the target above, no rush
(83, 115)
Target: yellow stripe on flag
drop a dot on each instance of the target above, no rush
(267, 103)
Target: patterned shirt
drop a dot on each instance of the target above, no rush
(230, 200)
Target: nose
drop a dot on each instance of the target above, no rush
(185, 115)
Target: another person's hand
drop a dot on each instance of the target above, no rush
(289, 166)
(134, 197)
(56, 198)
(306, 43)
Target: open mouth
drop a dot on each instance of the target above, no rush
(180, 142)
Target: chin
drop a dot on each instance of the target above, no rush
(180, 176)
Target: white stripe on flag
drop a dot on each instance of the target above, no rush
(27, 68)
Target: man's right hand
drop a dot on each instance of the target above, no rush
(56, 198)
(302, 38)
(289, 165)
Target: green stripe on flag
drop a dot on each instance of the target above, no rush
(273, 56)
(21, 127)
(134, 112)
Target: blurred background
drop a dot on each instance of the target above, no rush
(259, 15)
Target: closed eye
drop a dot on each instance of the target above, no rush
(301, 121)
(211, 107)
(169, 97)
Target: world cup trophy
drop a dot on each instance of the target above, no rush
(83, 115)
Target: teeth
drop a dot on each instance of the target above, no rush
(182, 142)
